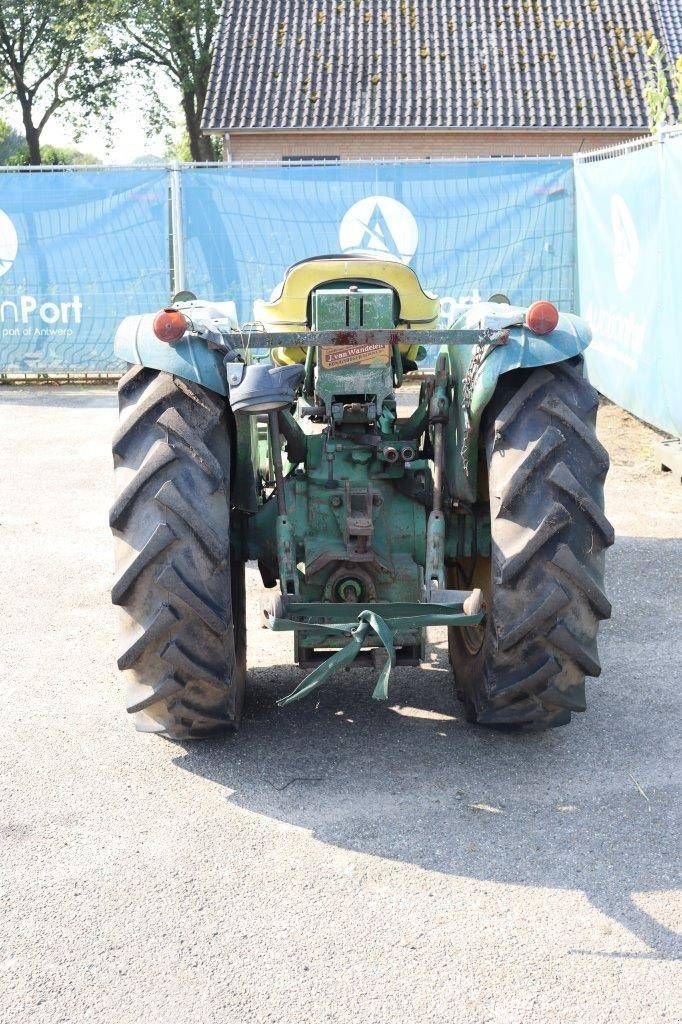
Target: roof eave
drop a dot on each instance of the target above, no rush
(337, 130)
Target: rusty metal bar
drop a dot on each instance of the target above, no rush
(350, 336)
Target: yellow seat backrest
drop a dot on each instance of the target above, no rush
(287, 309)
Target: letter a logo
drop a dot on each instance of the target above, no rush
(380, 225)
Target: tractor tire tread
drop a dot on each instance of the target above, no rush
(171, 524)
(162, 536)
(549, 534)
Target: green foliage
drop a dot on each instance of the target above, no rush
(14, 153)
(67, 156)
(182, 151)
(56, 56)
(149, 160)
(677, 88)
(661, 106)
(175, 36)
(59, 56)
(13, 149)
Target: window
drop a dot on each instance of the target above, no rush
(311, 159)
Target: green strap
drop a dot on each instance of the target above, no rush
(367, 621)
(286, 625)
(379, 626)
(357, 633)
(339, 660)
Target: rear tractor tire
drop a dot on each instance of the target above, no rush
(543, 585)
(181, 598)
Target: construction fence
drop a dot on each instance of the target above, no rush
(629, 262)
(82, 247)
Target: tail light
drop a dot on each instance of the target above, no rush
(542, 317)
(170, 325)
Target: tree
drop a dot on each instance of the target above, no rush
(56, 56)
(14, 151)
(67, 156)
(176, 36)
(663, 106)
(181, 149)
(12, 146)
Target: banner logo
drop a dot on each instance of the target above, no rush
(379, 225)
(625, 244)
(25, 315)
(9, 243)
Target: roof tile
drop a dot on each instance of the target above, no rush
(435, 64)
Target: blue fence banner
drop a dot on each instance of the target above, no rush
(78, 251)
(629, 225)
(468, 228)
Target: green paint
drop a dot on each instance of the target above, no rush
(352, 305)
(360, 552)
(385, 628)
(523, 350)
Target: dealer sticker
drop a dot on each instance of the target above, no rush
(354, 355)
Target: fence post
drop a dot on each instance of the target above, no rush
(177, 228)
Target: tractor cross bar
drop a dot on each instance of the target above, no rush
(351, 336)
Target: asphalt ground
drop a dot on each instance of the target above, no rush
(338, 860)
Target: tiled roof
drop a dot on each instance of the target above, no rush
(363, 64)
(670, 20)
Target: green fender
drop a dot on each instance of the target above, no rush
(191, 358)
(194, 360)
(523, 349)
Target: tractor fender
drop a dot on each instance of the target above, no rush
(570, 338)
(190, 358)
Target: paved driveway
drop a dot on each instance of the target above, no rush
(338, 860)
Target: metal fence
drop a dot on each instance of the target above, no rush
(629, 223)
(82, 247)
(77, 249)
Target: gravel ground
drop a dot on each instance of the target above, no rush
(338, 860)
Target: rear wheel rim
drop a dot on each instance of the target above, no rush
(475, 575)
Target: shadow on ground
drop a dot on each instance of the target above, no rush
(60, 396)
(589, 807)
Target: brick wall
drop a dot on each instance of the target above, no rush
(415, 145)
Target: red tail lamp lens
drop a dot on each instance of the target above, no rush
(542, 317)
(169, 325)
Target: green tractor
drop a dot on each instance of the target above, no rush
(477, 506)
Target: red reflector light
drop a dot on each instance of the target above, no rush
(542, 317)
(169, 325)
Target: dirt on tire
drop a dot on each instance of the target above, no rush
(545, 593)
(177, 590)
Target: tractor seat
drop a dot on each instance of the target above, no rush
(289, 307)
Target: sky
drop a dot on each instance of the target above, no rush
(128, 139)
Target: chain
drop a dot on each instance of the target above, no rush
(466, 445)
(469, 378)
(488, 341)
